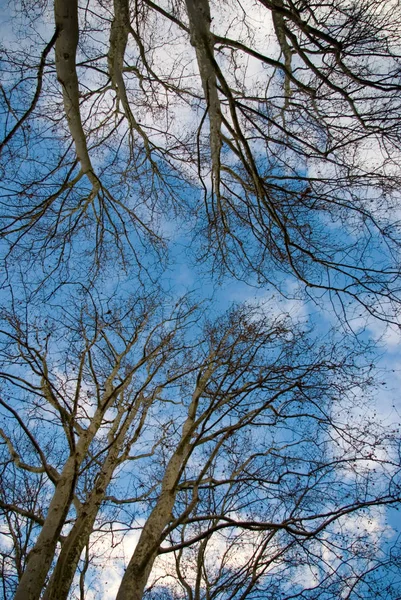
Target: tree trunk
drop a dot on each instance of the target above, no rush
(40, 558)
(137, 573)
(67, 562)
(202, 40)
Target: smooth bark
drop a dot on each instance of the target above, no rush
(42, 554)
(139, 568)
(202, 40)
(77, 539)
(66, 17)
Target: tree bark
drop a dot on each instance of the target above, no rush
(137, 573)
(202, 40)
(66, 17)
(40, 558)
(75, 542)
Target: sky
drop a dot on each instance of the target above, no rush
(185, 273)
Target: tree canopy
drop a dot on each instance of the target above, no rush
(185, 443)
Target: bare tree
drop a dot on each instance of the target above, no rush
(22, 506)
(265, 136)
(78, 381)
(227, 431)
(303, 156)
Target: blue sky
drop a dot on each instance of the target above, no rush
(55, 263)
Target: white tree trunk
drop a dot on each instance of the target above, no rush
(40, 558)
(137, 573)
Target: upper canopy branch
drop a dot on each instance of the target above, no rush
(203, 42)
(66, 18)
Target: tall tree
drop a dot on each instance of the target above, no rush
(240, 432)
(302, 138)
(265, 137)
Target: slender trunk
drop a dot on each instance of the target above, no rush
(279, 28)
(66, 17)
(202, 40)
(120, 28)
(67, 562)
(42, 554)
(137, 573)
